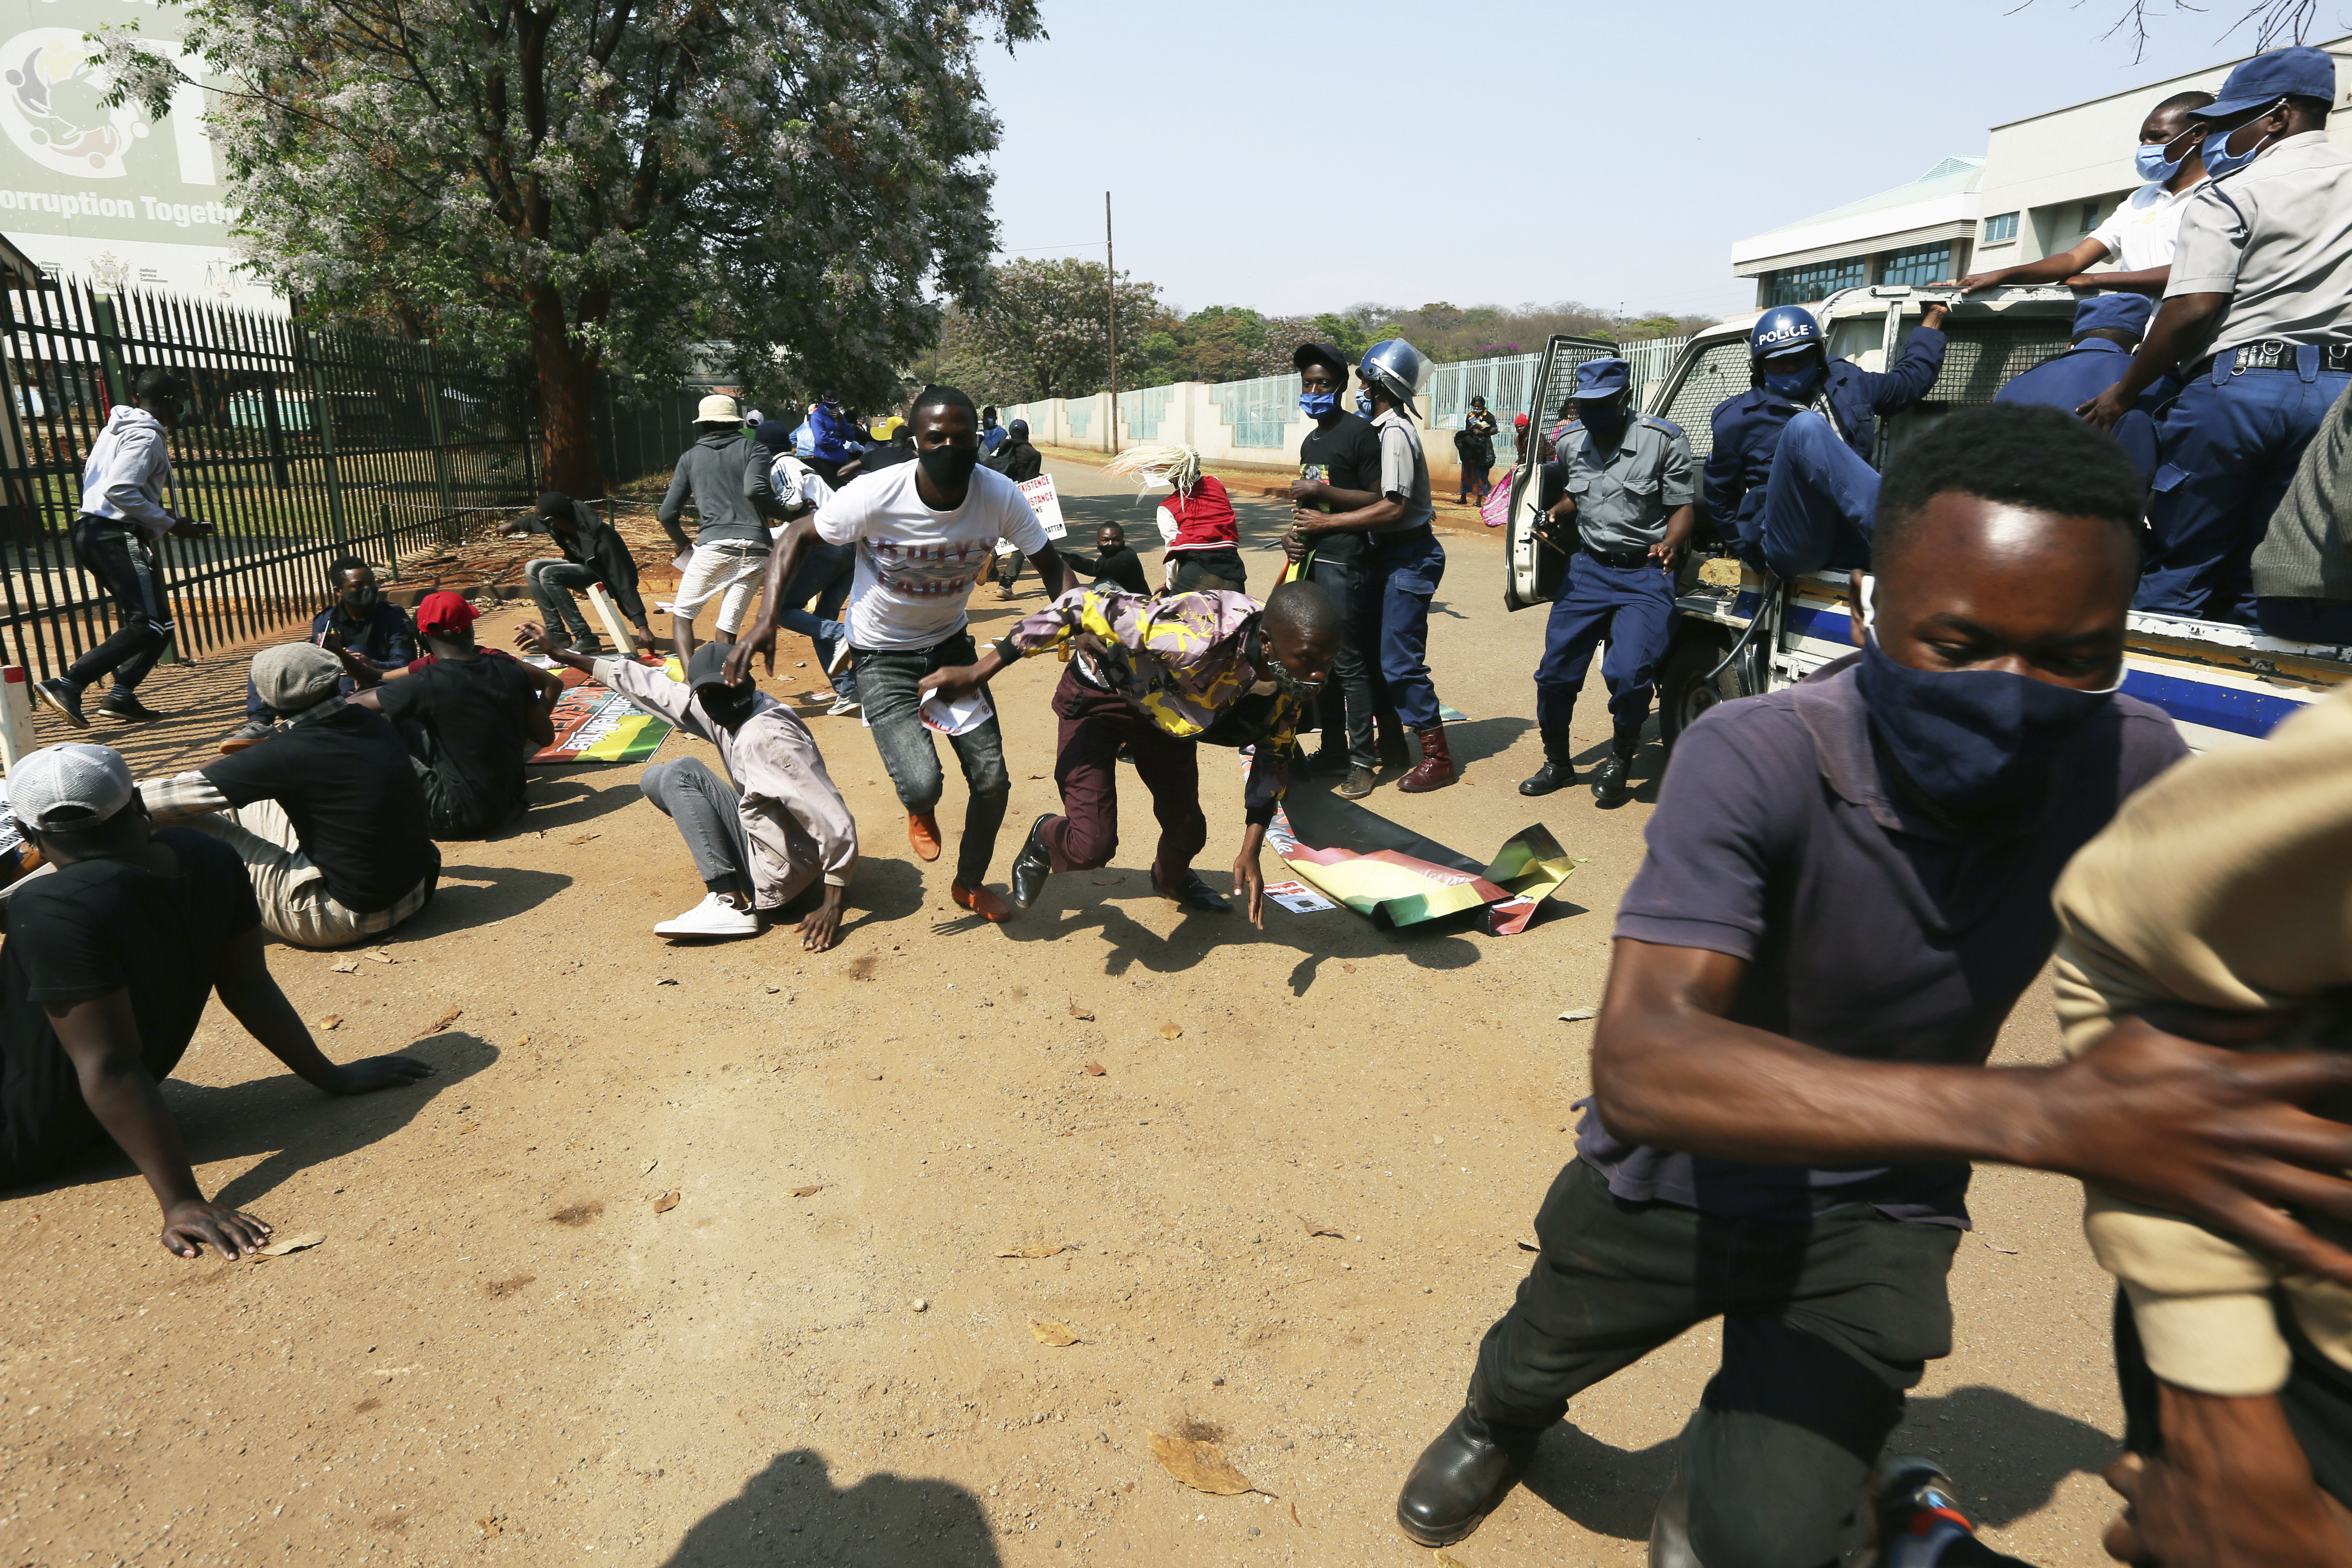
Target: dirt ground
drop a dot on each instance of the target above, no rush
(821, 1354)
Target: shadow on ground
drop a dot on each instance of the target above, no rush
(791, 1513)
(2007, 1458)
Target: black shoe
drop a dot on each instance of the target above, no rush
(66, 698)
(1609, 789)
(1192, 894)
(587, 644)
(1356, 784)
(123, 703)
(1328, 759)
(1461, 1478)
(1031, 866)
(1558, 772)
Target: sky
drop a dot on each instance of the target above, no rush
(1297, 157)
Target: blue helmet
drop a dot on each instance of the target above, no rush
(1782, 330)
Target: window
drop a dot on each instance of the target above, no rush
(1922, 264)
(2090, 218)
(1799, 285)
(2001, 229)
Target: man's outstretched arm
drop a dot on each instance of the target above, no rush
(250, 992)
(2215, 1134)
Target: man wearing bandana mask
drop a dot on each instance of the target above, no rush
(2256, 323)
(780, 830)
(1848, 886)
(1622, 516)
(1794, 376)
(1157, 675)
(372, 636)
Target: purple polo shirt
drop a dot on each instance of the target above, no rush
(1871, 924)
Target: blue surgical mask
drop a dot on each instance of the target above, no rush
(1319, 405)
(2220, 161)
(1364, 403)
(1797, 385)
(2150, 164)
(1972, 739)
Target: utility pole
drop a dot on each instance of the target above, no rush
(1111, 265)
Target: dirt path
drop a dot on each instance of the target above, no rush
(819, 1355)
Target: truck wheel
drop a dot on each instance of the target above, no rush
(1684, 690)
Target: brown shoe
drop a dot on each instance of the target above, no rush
(1435, 770)
(980, 901)
(923, 833)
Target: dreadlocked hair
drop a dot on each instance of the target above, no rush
(1173, 464)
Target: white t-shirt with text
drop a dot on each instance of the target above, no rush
(916, 567)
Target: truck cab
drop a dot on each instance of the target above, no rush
(1739, 632)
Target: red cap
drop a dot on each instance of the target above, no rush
(444, 613)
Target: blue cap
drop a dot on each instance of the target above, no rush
(2123, 313)
(1602, 377)
(2300, 72)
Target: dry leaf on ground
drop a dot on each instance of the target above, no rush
(1315, 1229)
(808, 1191)
(345, 966)
(333, 1020)
(286, 1243)
(1036, 1249)
(1529, 1247)
(2011, 1250)
(445, 1019)
(587, 836)
(1578, 1014)
(1202, 1465)
(1083, 1015)
(378, 954)
(666, 1203)
(1093, 1069)
(1048, 1332)
(649, 1167)
(1348, 967)
(1171, 1031)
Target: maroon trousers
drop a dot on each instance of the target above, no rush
(1094, 724)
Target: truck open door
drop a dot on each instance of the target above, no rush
(1532, 569)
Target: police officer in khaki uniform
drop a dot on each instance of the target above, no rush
(1623, 513)
(2259, 313)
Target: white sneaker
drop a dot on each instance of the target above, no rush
(712, 917)
(840, 657)
(842, 705)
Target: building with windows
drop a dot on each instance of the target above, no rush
(2044, 182)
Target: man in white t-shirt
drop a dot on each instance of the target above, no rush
(922, 532)
(2137, 238)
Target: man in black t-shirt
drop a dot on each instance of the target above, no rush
(1113, 564)
(469, 720)
(326, 812)
(112, 955)
(1339, 470)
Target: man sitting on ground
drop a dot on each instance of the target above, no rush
(1156, 675)
(758, 844)
(364, 629)
(1114, 565)
(326, 812)
(593, 552)
(110, 958)
(470, 720)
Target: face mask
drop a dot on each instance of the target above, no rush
(2150, 164)
(1797, 385)
(362, 601)
(727, 706)
(1319, 405)
(2220, 161)
(1286, 683)
(1972, 739)
(950, 468)
(1606, 420)
(1364, 403)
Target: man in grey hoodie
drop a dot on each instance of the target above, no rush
(729, 553)
(123, 515)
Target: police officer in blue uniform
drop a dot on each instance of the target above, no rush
(1792, 375)
(1622, 516)
(2259, 310)
(2108, 327)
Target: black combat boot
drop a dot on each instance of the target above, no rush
(1559, 769)
(1609, 788)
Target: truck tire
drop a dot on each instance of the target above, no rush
(1684, 690)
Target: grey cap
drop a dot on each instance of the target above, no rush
(59, 788)
(295, 676)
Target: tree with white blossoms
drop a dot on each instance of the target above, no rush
(599, 185)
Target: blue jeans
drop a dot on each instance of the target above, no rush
(1405, 570)
(122, 557)
(891, 676)
(1634, 607)
(1819, 502)
(2229, 444)
(824, 575)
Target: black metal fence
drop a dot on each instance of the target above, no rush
(298, 446)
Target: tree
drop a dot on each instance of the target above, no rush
(600, 184)
(1041, 329)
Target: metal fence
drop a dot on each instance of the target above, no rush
(1257, 409)
(298, 446)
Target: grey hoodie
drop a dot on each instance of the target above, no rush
(129, 471)
(715, 471)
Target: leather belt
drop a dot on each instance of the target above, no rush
(1624, 559)
(2273, 353)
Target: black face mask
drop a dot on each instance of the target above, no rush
(1286, 683)
(950, 468)
(362, 602)
(727, 706)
